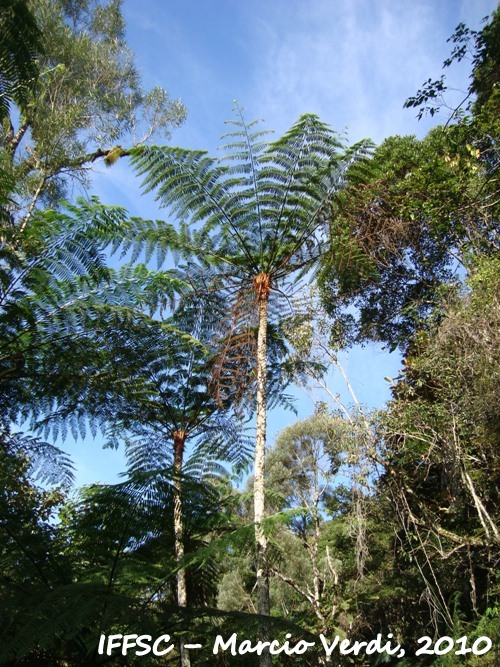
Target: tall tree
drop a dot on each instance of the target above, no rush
(84, 98)
(257, 223)
(419, 210)
(301, 470)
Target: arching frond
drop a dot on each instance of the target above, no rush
(46, 463)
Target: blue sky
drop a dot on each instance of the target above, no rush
(353, 62)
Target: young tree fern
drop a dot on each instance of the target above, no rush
(150, 387)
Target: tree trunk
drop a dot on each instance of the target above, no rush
(179, 441)
(262, 287)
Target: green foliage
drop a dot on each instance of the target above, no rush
(20, 44)
(415, 212)
(440, 437)
(84, 97)
(256, 211)
(396, 237)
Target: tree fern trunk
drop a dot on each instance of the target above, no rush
(179, 440)
(263, 598)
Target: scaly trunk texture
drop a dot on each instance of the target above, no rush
(179, 441)
(262, 286)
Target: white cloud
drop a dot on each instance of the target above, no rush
(352, 61)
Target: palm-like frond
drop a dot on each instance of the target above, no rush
(211, 443)
(263, 207)
(46, 462)
(58, 299)
(258, 210)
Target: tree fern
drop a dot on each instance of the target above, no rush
(256, 215)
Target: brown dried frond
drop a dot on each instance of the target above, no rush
(233, 365)
(375, 226)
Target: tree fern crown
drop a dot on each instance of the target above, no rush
(258, 207)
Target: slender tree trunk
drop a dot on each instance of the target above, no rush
(179, 441)
(262, 287)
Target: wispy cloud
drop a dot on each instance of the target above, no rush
(353, 62)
